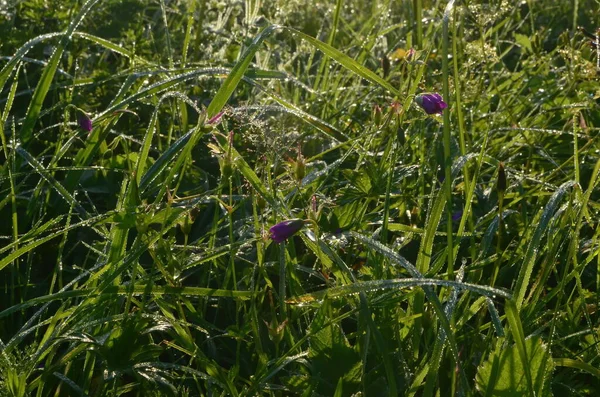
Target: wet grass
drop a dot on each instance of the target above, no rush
(434, 254)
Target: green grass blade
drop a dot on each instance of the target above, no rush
(160, 165)
(236, 74)
(60, 189)
(429, 292)
(138, 289)
(577, 364)
(399, 283)
(514, 321)
(532, 249)
(157, 88)
(43, 85)
(140, 166)
(346, 61)
(24, 49)
(109, 45)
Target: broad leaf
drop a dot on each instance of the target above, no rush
(503, 373)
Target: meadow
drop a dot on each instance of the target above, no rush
(281, 198)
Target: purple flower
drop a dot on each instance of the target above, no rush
(85, 123)
(431, 103)
(456, 216)
(286, 229)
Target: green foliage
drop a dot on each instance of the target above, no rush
(503, 373)
(439, 255)
(332, 357)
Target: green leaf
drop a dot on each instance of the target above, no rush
(524, 42)
(331, 356)
(503, 373)
(359, 179)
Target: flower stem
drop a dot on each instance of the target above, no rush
(446, 136)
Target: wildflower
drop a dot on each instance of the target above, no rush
(456, 216)
(431, 103)
(286, 229)
(85, 123)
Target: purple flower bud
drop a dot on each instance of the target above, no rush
(215, 119)
(431, 103)
(85, 123)
(286, 229)
(456, 216)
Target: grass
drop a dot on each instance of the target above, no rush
(452, 254)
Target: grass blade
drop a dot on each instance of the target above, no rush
(532, 249)
(514, 321)
(43, 85)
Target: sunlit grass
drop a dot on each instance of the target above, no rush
(149, 148)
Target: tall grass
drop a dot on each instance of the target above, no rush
(445, 254)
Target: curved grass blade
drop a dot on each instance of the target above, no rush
(577, 364)
(8, 68)
(236, 74)
(41, 240)
(512, 315)
(60, 189)
(37, 62)
(138, 289)
(43, 85)
(161, 163)
(143, 157)
(109, 45)
(182, 156)
(398, 283)
(345, 61)
(238, 71)
(429, 292)
(158, 88)
(533, 247)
